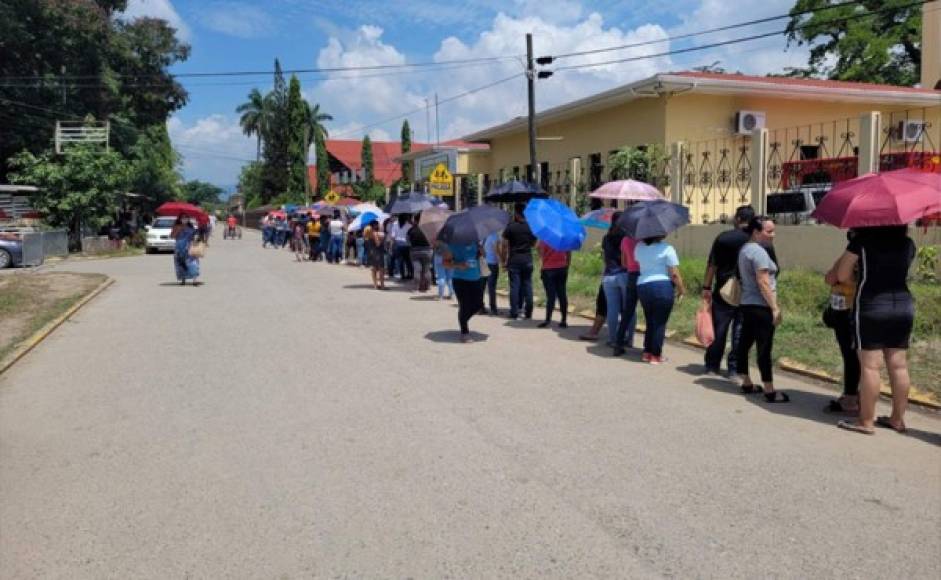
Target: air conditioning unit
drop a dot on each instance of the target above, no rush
(910, 131)
(748, 121)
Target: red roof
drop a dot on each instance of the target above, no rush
(349, 153)
(805, 82)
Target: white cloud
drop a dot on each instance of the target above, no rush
(158, 9)
(237, 19)
(213, 148)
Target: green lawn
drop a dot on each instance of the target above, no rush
(802, 336)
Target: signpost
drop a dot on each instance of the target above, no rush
(441, 182)
(331, 197)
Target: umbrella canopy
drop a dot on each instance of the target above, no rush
(893, 198)
(179, 208)
(652, 219)
(413, 203)
(432, 220)
(278, 214)
(289, 208)
(598, 218)
(363, 208)
(365, 218)
(555, 224)
(347, 202)
(473, 225)
(514, 191)
(627, 189)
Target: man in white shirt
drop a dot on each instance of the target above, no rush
(402, 247)
(335, 251)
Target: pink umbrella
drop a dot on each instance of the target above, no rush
(881, 199)
(627, 189)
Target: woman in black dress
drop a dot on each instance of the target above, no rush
(884, 314)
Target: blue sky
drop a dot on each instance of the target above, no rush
(247, 35)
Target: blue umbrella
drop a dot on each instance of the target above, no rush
(598, 218)
(415, 202)
(653, 219)
(473, 225)
(555, 224)
(514, 191)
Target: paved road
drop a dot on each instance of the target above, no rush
(287, 421)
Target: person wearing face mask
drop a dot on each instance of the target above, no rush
(759, 307)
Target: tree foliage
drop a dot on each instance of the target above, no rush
(323, 166)
(882, 48)
(406, 142)
(153, 167)
(367, 163)
(277, 137)
(81, 188)
(201, 193)
(251, 184)
(297, 130)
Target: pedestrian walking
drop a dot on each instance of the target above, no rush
(722, 269)
(299, 242)
(614, 280)
(627, 321)
(325, 238)
(335, 251)
(267, 231)
(884, 316)
(283, 231)
(374, 246)
(313, 239)
(492, 256)
(401, 248)
(185, 261)
(444, 276)
(554, 274)
(518, 261)
(658, 286)
(760, 309)
(420, 252)
(838, 316)
(464, 261)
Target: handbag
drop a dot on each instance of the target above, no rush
(197, 250)
(731, 291)
(705, 333)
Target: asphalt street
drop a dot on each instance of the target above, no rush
(286, 420)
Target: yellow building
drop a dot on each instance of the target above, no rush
(707, 124)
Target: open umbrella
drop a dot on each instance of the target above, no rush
(514, 191)
(598, 218)
(365, 218)
(893, 198)
(278, 214)
(179, 208)
(432, 220)
(627, 189)
(363, 208)
(414, 202)
(555, 224)
(652, 219)
(473, 225)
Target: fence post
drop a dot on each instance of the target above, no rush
(574, 169)
(480, 189)
(870, 131)
(677, 151)
(759, 169)
(456, 190)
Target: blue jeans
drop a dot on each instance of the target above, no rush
(361, 251)
(657, 300)
(615, 294)
(335, 253)
(625, 337)
(266, 236)
(521, 289)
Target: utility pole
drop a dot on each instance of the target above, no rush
(531, 84)
(427, 122)
(437, 127)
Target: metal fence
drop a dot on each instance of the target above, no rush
(37, 246)
(716, 177)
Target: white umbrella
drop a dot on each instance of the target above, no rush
(357, 224)
(362, 208)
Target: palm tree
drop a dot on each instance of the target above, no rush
(315, 127)
(254, 119)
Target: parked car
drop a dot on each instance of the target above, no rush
(11, 251)
(795, 206)
(158, 235)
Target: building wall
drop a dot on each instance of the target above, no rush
(931, 44)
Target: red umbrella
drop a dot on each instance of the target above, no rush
(278, 214)
(179, 208)
(893, 198)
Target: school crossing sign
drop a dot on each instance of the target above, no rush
(441, 182)
(331, 197)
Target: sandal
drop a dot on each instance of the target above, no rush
(776, 397)
(856, 428)
(884, 421)
(835, 406)
(747, 389)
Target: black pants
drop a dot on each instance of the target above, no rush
(842, 321)
(470, 299)
(724, 316)
(555, 281)
(758, 329)
(492, 280)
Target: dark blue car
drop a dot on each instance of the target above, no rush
(11, 252)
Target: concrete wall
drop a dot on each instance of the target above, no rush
(809, 247)
(931, 44)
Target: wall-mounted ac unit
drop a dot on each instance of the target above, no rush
(910, 131)
(748, 121)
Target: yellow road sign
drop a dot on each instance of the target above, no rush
(331, 197)
(441, 182)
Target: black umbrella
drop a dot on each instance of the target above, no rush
(653, 219)
(414, 202)
(473, 225)
(514, 191)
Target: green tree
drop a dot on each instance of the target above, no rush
(298, 116)
(254, 118)
(367, 163)
(81, 188)
(202, 193)
(322, 159)
(251, 184)
(406, 139)
(276, 138)
(882, 48)
(153, 166)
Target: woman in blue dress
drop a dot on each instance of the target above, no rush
(186, 265)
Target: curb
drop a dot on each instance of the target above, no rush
(46, 330)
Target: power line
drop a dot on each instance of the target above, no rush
(733, 41)
(700, 33)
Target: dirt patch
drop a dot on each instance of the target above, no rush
(29, 300)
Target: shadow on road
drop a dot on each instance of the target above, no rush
(369, 286)
(177, 284)
(804, 405)
(424, 298)
(454, 336)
